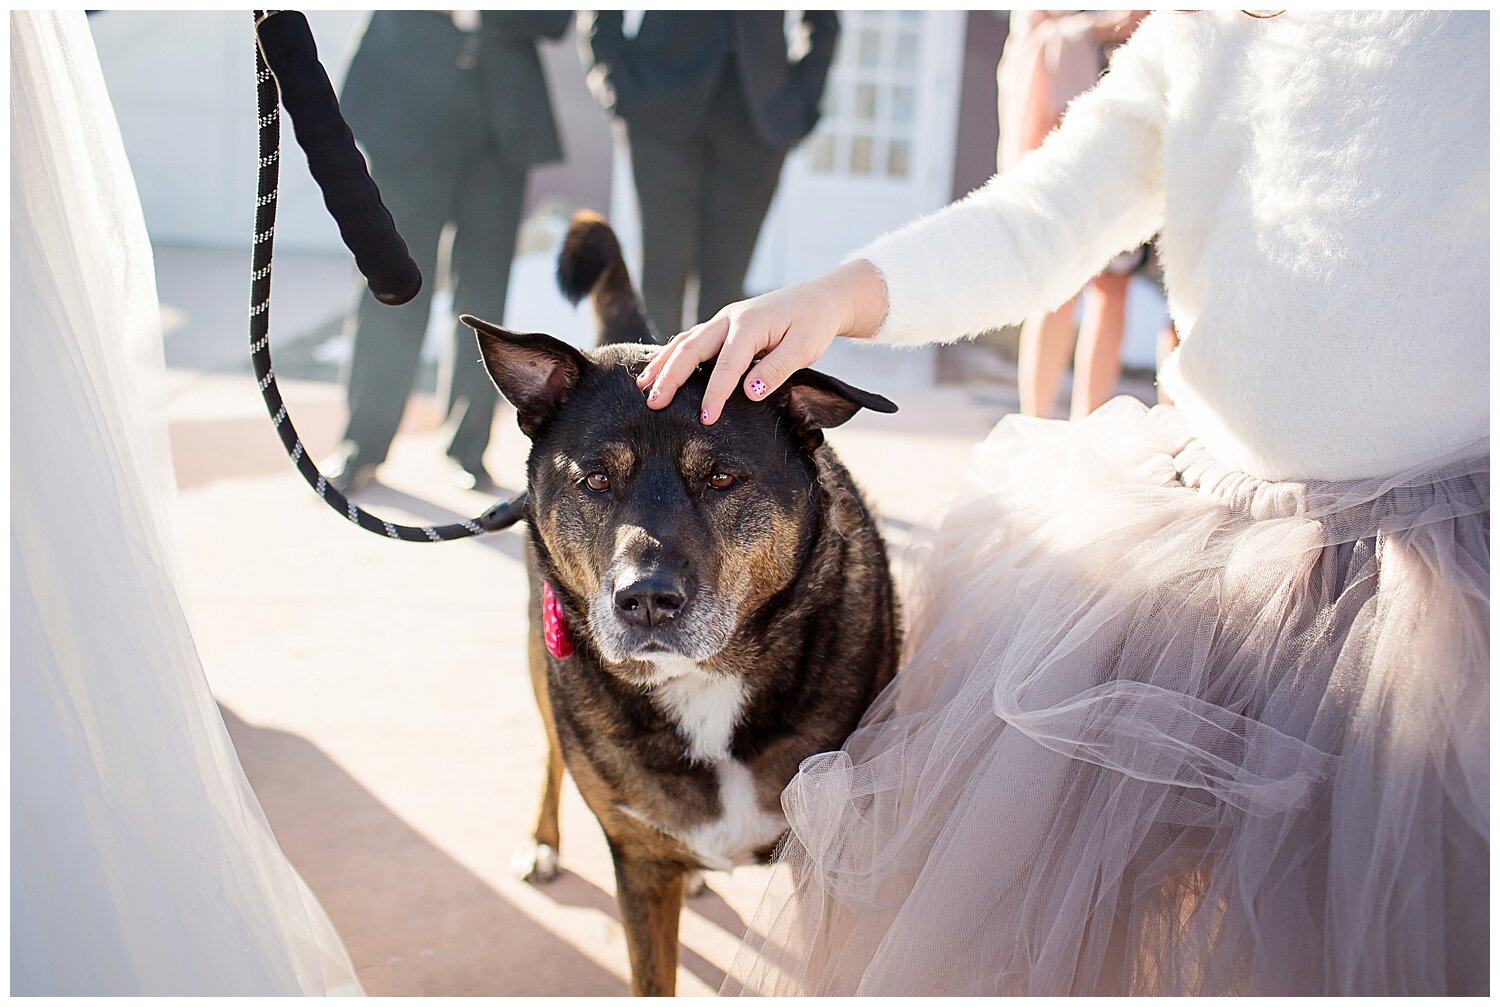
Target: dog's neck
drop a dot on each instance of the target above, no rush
(705, 705)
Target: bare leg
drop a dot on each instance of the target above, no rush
(1096, 366)
(1046, 345)
(1166, 342)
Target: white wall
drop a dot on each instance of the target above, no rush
(183, 87)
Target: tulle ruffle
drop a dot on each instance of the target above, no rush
(1164, 728)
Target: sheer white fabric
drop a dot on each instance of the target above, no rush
(141, 862)
(1164, 728)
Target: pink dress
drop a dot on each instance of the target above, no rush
(1050, 58)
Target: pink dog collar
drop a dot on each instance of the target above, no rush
(555, 625)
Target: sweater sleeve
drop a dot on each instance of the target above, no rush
(1028, 240)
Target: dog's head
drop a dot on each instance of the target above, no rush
(663, 534)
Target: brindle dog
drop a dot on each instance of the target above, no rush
(726, 590)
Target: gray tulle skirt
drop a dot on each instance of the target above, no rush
(1163, 728)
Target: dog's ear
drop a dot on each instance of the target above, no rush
(535, 372)
(814, 401)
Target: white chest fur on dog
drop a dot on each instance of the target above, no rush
(706, 708)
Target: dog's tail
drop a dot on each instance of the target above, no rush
(591, 265)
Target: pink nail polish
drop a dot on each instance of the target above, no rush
(654, 395)
(757, 388)
(703, 416)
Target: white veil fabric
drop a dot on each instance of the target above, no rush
(141, 862)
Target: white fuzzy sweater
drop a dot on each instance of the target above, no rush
(1321, 185)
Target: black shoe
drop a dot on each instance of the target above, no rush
(472, 477)
(345, 475)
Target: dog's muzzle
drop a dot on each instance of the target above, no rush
(644, 614)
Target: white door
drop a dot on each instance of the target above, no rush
(882, 154)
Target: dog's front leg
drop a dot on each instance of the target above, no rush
(650, 894)
(537, 860)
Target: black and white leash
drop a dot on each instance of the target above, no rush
(354, 201)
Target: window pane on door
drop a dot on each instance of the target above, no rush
(906, 51)
(869, 115)
(824, 149)
(903, 104)
(861, 155)
(898, 163)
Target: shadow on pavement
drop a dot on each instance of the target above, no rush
(571, 890)
(414, 920)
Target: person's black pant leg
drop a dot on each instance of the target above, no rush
(488, 212)
(740, 177)
(668, 185)
(388, 340)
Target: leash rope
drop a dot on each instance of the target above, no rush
(268, 113)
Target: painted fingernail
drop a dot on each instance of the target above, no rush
(757, 388)
(654, 395)
(703, 416)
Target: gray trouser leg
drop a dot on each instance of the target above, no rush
(703, 199)
(668, 181)
(488, 212)
(388, 340)
(740, 178)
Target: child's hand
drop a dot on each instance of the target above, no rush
(787, 329)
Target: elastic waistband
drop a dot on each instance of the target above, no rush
(1442, 489)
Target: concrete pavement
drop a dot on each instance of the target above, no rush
(377, 691)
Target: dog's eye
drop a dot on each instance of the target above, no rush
(721, 480)
(597, 481)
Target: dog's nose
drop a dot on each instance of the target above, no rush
(652, 599)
